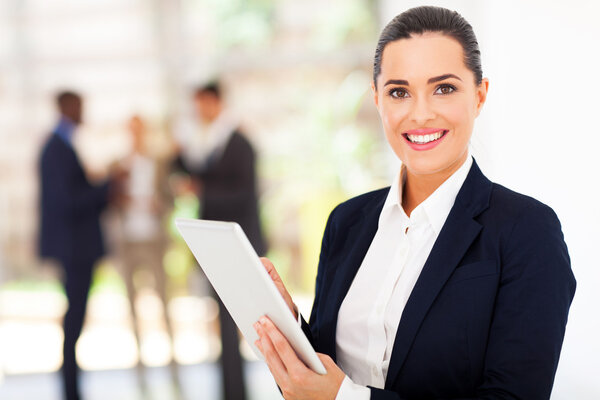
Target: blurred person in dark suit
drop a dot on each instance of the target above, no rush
(70, 225)
(221, 162)
(142, 207)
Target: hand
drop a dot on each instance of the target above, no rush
(296, 380)
(118, 172)
(280, 286)
(196, 187)
(183, 185)
(117, 181)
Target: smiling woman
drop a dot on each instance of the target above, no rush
(428, 102)
(444, 285)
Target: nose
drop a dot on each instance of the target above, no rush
(421, 111)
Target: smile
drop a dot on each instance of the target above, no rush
(424, 139)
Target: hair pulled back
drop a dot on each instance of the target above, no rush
(418, 20)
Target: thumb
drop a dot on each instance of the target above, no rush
(325, 359)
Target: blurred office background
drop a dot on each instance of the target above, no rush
(298, 75)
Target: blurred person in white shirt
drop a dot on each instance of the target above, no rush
(142, 211)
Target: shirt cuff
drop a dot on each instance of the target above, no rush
(351, 391)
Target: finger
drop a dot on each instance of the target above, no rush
(270, 268)
(332, 369)
(283, 348)
(326, 360)
(257, 342)
(279, 285)
(272, 358)
(259, 346)
(267, 263)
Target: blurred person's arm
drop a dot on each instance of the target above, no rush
(74, 196)
(164, 196)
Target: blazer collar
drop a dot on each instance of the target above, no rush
(457, 234)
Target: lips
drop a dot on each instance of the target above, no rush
(424, 139)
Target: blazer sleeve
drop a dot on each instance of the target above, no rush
(68, 195)
(530, 314)
(326, 244)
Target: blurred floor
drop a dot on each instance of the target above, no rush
(31, 333)
(31, 340)
(200, 381)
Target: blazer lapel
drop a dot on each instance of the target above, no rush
(459, 231)
(359, 238)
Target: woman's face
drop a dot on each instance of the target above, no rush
(428, 100)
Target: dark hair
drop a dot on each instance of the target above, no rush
(212, 87)
(431, 19)
(65, 97)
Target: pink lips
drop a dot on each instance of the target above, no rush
(424, 131)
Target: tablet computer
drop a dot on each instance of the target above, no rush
(243, 284)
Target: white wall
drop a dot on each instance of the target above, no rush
(539, 135)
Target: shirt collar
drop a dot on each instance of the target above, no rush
(437, 206)
(64, 129)
(219, 130)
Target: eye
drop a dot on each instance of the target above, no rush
(445, 89)
(398, 93)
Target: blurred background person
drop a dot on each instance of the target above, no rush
(142, 207)
(222, 165)
(70, 232)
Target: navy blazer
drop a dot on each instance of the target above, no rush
(486, 318)
(229, 188)
(69, 207)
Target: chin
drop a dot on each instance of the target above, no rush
(430, 164)
(423, 167)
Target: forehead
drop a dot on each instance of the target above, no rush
(205, 96)
(423, 56)
(70, 102)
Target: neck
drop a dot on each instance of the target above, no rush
(214, 116)
(418, 187)
(138, 147)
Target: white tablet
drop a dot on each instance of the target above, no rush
(243, 284)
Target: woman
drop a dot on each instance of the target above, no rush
(446, 285)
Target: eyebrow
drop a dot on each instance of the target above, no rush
(430, 80)
(442, 77)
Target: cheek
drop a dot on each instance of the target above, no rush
(460, 117)
(393, 118)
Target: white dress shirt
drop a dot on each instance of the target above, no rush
(200, 141)
(140, 221)
(370, 313)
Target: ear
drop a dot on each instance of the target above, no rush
(375, 95)
(481, 94)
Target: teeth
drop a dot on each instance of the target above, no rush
(422, 139)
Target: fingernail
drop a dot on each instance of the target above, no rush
(263, 320)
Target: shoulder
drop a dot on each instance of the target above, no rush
(239, 143)
(50, 142)
(346, 212)
(523, 226)
(54, 147)
(239, 138)
(514, 206)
